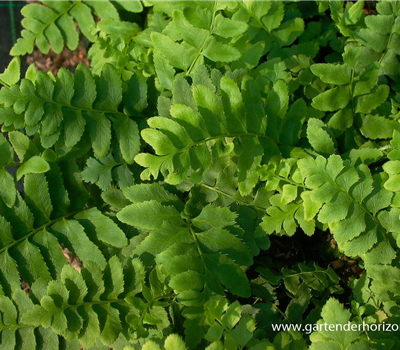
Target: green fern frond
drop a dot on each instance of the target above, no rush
(334, 313)
(352, 203)
(15, 333)
(54, 212)
(378, 35)
(88, 306)
(307, 283)
(267, 18)
(84, 308)
(199, 255)
(207, 125)
(354, 85)
(51, 24)
(392, 167)
(115, 45)
(213, 39)
(286, 209)
(347, 18)
(61, 111)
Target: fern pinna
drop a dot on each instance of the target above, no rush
(221, 168)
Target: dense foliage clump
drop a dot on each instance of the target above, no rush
(220, 168)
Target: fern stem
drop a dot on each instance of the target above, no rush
(287, 180)
(43, 227)
(212, 138)
(84, 109)
(4, 84)
(387, 46)
(241, 201)
(202, 47)
(15, 327)
(196, 242)
(351, 199)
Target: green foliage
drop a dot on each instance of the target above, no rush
(53, 25)
(334, 313)
(209, 244)
(351, 202)
(202, 127)
(204, 179)
(61, 111)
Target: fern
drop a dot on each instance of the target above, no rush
(193, 170)
(60, 111)
(356, 89)
(337, 338)
(172, 342)
(53, 24)
(357, 225)
(234, 122)
(377, 34)
(82, 307)
(286, 206)
(114, 46)
(205, 43)
(277, 33)
(205, 243)
(32, 233)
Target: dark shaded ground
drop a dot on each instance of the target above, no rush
(10, 25)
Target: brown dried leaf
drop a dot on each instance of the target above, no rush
(73, 260)
(26, 287)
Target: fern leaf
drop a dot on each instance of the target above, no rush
(70, 232)
(220, 188)
(11, 331)
(33, 230)
(131, 6)
(223, 322)
(333, 99)
(10, 280)
(51, 24)
(356, 89)
(334, 313)
(106, 230)
(276, 32)
(99, 171)
(356, 200)
(8, 191)
(320, 137)
(286, 211)
(48, 25)
(78, 306)
(38, 198)
(104, 9)
(208, 252)
(376, 34)
(173, 341)
(198, 41)
(60, 111)
(12, 73)
(34, 165)
(201, 133)
(281, 220)
(306, 282)
(277, 104)
(49, 248)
